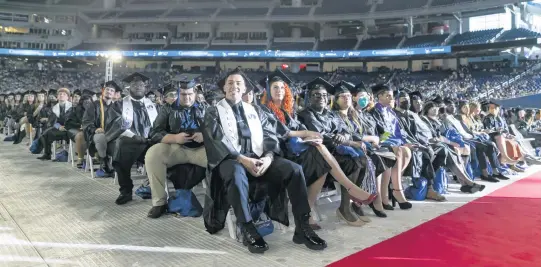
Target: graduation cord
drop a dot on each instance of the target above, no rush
(102, 119)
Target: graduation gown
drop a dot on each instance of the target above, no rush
(492, 122)
(219, 148)
(313, 164)
(357, 131)
(329, 125)
(92, 120)
(173, 120)
(128, 150)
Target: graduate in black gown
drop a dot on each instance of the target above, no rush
(511, 152)
(74, 125)
(314, 157)
(391, 136)
(318, 118)
(25, 111)
(177, 139)
(127, 124)
(417, 132)
(243, 155)
(445, 153)
(56, 123)
(376, 158)
(94, 119)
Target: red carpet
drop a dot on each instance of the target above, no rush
(501, 229)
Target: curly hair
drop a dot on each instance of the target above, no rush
(287, 104)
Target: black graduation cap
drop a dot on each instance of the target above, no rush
(51, 92)
(167, 88)
(11, 93)
(416, 95)
(275, 76)
(77, 92)
(438, 100)
(150, 93)
(88, 92)
(361, 87)
(341, 87)
(135, 76)
(250, 85)
(42, 91)
(380, 88)
(448, 101)
(491, 102)
(185, 81)
(318, 83)
(112, 84)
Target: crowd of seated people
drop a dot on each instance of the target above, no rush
(264, 142)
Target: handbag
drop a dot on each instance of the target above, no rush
(418, 190)
(184, 203)
(144, 192)
(61, 156)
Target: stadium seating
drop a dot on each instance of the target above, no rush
(337, 44)
(519, 33)
(240, 12)
(290, 11)
(292, 46)
(424, 41)
(388, 5)
(339, 7)
(475, 37)
(380, 43)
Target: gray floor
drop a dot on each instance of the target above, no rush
(54, 215)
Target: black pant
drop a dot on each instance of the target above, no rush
(281, 172)
(484, 150)
(126, 153)
(49, 136)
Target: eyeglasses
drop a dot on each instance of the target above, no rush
(320, 95)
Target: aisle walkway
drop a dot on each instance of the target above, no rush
(54, 215)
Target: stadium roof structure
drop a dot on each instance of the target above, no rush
(170, 11)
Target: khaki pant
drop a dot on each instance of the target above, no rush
(162, 156)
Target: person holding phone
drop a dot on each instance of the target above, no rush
(243, 154)
(316, 160)
(177, 137)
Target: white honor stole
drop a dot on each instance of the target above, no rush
(56, 108)
(127, 114)
(229, 126)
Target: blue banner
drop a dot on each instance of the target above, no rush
(234, 54)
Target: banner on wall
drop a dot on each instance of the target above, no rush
(234, 54)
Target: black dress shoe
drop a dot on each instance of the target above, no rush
(252, 239)
(489, 179)
(123, 198)
(157, 211)
(469, 189)
(305, 235)
(45, 157)
(500, 176)
(481, 187)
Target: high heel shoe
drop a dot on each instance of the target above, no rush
(367, 201)
(378, 213)
(403, 205)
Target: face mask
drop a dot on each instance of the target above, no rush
(363, 102)
(405, 105)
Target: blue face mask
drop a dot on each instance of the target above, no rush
(363, 102)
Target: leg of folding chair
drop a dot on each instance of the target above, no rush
(231, 224)
(90, 165)
(54, 149)
(71, 153)
(30, 136)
